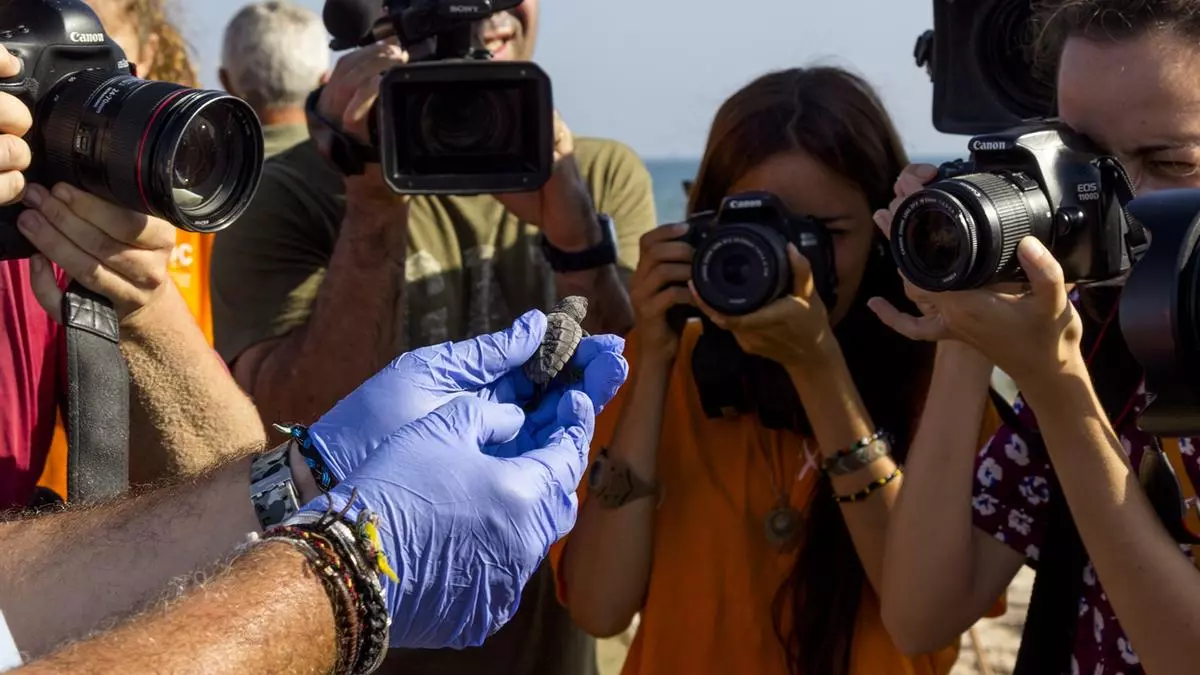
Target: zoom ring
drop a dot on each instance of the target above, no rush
(1012, 210)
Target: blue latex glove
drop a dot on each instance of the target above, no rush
(464, 530)
(488, 367)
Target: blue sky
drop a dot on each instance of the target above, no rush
(652, 72)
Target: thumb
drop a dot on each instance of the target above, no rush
(802, 281)
(1044, 273)
(468, 419)
(487, 358)
(45, 285)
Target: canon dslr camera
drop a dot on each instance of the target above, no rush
(451, 120)
(188, 156)
(1042, 180)
(741, 264)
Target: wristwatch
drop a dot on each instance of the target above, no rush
(604, 253)
(613, 484)
(272, 489)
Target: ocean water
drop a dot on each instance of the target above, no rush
(668, 176)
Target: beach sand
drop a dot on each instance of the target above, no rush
(998, 638)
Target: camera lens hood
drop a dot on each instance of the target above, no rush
(1159, 309)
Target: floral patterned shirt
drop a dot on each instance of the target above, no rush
(1010, 503)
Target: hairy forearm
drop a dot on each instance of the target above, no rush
(61, 575)
(351, 333)
(267, 613)
(609, 309)
(930, 593)
(1150, 583)
(608, 555)
(838, 418)
(187, 414)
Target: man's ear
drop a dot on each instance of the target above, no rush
(223, 75)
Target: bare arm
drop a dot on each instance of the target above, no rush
(267, 613)
(63, 574)
(607, 559)
(941, 573)
(609, 309)
(188, 414)
(1150, 583)
(351, 332)
(839, 417)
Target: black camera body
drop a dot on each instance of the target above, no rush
(1041, 180)
(189, 156)
(741, 264)
(452, 121)
(983, 81)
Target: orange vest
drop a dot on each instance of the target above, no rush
(189, 269)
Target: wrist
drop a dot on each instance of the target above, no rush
(1066, 386)
(961, 360)
(161, 308)
(577, 234)
(823, 359)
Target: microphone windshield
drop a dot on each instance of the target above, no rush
(348, 21)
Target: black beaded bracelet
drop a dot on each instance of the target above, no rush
(872, 487)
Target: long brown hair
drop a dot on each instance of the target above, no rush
(836, 118)
(172, 54)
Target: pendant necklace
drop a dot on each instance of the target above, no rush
(783, 523)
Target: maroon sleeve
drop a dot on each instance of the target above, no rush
(1012, 488)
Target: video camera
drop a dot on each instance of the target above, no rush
(983, 78)
(741, 264)
(451, 120)
(189, 156)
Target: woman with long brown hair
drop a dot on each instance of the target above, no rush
(752, 541)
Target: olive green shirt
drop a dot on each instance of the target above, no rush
(472, 267)
(280, 137)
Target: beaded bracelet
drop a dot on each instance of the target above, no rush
(872, 487)
(352, 556)
(324, 562)
(316, 463)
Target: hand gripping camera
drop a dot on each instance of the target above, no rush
(451, 120)
(740, 263)
(188, 156)
(1042, 180)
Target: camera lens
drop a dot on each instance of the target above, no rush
(1003, 35)
(465, 121)
(192, 157)
(940, 242)
(963, 232)
(740, 268)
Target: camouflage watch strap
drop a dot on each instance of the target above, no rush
(272, 490)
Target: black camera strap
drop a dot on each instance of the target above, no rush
(97, 409)
(1048, 639)
(1136, 238)
(350, 156)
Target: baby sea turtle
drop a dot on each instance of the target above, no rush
(564, 330)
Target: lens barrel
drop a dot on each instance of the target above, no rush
(189, 156)
(963, 232)
(741, 267)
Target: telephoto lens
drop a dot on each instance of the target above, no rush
(189, 156)
(963, 232)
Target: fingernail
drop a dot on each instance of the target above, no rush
(31, 221)
(1031, 248)
(33, 195)
(63, 192)
(36, 263)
